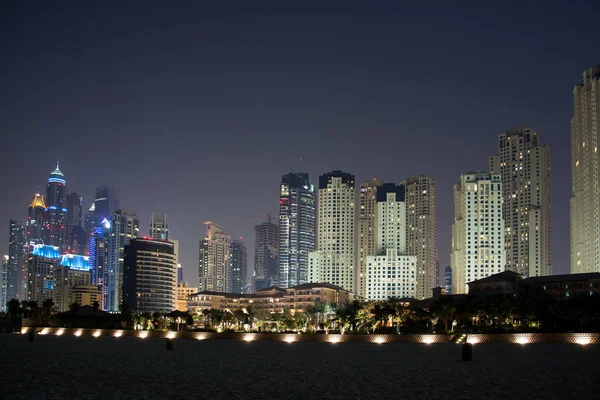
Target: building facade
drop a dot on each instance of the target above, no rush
(183, 294)
(478, 229)
(448, 280)
(273, 300)
(4, 284)
(72, 271)
(159, 226)
(420, 199)
(266, 255)
(36, 226)
(124, 226)
(77, 235)
(334, 260)
(56, 232)
(296, 228)
(15, 262)
(366, 231)
(150, 277)
(524, 165)
(390, 273)
(41, 263)
(585, 166)
(213, 259)
(238, 267)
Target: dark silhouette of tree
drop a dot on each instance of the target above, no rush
(14, 309)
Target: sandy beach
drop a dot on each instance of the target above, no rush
(128, 368)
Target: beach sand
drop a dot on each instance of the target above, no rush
(132, 368)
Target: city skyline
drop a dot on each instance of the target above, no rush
(389, 108)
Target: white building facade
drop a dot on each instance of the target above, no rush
(366, 231)
(478, 229)
(334, 261)
(525, 169)
(390, 273)
(213, 260)
(585, 168)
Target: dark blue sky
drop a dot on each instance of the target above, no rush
(196, 110)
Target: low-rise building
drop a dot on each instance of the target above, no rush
(504, 283)
(183, 293)
(272, 299)
(565, 286)
(86, 295)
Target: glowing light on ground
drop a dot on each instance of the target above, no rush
(118, 334)
(289, 339)
(379, 340)
(200, 337)
(24, 331)
(97, 333)
(171, 335)
(427, 339)
(78, 333)
(472, 340)
(143, 334)
(44, 331)
(248, 337)
(334, 339)
(60, 332)
(583, 341)
(522, 340)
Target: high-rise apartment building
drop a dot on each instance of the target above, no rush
(16, 261)
(296, 228)
(334, 260)
(420, 201)
(56, 233)
(72, 271)
(390, 272)
(213, 259)
(238, 267)
(105, 204)
(99, 259)
(124, 226)
(150, 277)
(366, 231)
(77, 236)
(478, 229)
(41, 262)
(448, 279)
(266, 255)
(4, 284)
(159, 226)
(36, 227)
(585, 166)
(524, 165)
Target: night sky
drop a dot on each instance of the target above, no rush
(196, 110)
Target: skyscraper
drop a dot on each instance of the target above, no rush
(105, 204)
(390, 273)
(585, 164)
(36, 227)
(238, 261)
(41, 263)
(478, 229)
(72, 271)
(16, 261)
(448, 279)
(366, 231)
(524, 165)
(124, 226)
(150, 277)
(334, 261)
(159, 226)
(56, 212)
(266, 255)
(296, 228)
(213, 259)
(420, 201)
(77, 236)
(99, 259)
(4, 284)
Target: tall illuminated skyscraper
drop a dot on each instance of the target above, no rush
(213, 259)
(238, 267)
(478, 230)
(4, 283)
(585, 165)
(77, 236)
(390, 273)
(366, 231)
(41, 262)
(16, 262)
(36, 227)
(334, 260)
(56, 212)
(105, 204)
(159, 226)
(124, 226)
(420, 201)
(296, 228)
(524, 165)
(266, 255)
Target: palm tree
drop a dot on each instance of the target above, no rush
(14, 309)
(48, 310)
